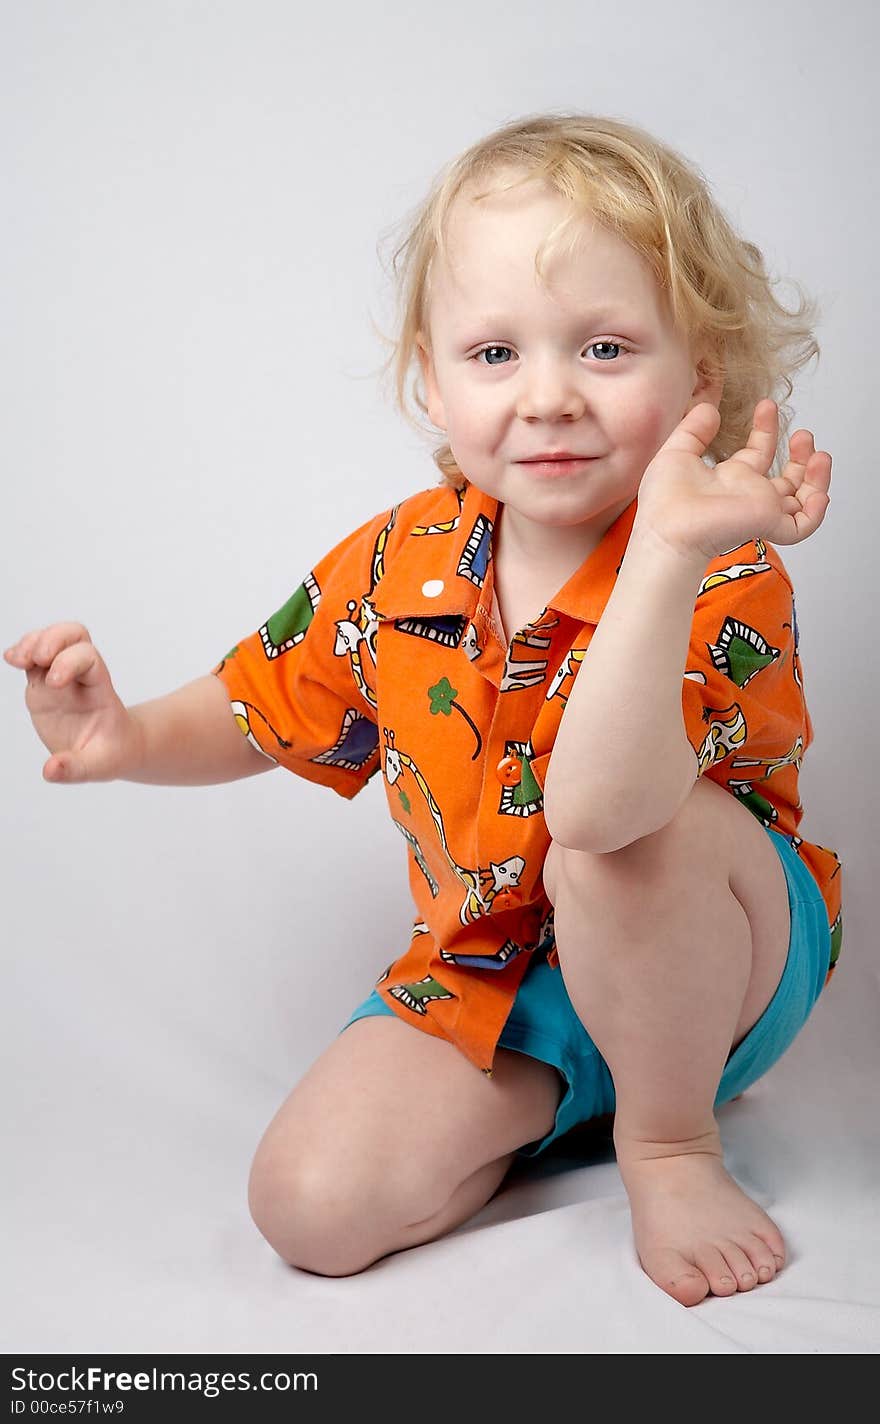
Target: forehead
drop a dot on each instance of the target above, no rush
(490, 248)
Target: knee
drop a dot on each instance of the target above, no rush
(649, 861)
(566, 869)
(320, 1215)
(303, 1213)
(553, 870)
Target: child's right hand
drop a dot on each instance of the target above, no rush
(74, 708)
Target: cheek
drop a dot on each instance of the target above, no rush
(472, 421)
(652, 422)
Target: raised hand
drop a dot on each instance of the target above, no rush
(73, 706)
(703, 512)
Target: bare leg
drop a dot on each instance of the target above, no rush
(391, 1139)
(660, 961)
(468, 1198)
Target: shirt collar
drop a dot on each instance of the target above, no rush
(440, 568)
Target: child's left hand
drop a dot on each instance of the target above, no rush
(703, 512)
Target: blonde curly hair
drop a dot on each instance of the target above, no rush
(719, 292)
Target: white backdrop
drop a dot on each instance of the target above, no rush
(198, 201)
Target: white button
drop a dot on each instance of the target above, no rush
(432, 588)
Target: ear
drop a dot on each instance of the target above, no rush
(708, 385)
(436, 410)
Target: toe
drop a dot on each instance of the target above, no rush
(676, 1275)
(741, 1267)
(771, 1239)
(716, 1270)
(764, 1263)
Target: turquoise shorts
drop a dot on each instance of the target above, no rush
(543, 1023)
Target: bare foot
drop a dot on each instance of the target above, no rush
(695, 1230)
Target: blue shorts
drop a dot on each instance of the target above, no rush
(543, 1023)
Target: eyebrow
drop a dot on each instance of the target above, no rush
(603, 316)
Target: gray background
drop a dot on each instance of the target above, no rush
(198, 200)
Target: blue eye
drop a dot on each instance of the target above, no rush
(488, 348)
(615, 345)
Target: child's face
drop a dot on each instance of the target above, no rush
(548, 386)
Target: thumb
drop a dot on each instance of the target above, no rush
(65, 768)
(696, 430)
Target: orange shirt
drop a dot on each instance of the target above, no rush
(387, 657)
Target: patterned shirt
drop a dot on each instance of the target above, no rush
(389, 656)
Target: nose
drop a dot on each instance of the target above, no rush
(549, 391)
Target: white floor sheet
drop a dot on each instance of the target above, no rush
(143, 1062)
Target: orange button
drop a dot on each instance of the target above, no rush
(509, 771)
(504, 900)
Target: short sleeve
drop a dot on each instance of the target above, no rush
(302, 685)
(743, 701)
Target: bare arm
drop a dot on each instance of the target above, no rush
(190, 738)
(622, 765)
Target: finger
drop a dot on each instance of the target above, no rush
(66, 767)
(760, 447)
(803, 520)
(14, 653)
(817, 477)
(801, 450)
(695, 431)
(801, 446)
(802, 481)
(40, 647)
(56, 769)
(73, 665)
(808, 519)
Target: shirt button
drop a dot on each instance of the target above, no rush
(504, 900)
(509, 771)
(432, 588)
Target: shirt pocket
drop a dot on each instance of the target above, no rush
(538, 767)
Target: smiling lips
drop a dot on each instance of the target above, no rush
(545, 457)
(558, 464)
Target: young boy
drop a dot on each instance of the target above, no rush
(578, 673)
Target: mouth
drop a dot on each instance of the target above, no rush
(559, 465)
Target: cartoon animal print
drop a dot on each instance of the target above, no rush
(479, 895)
